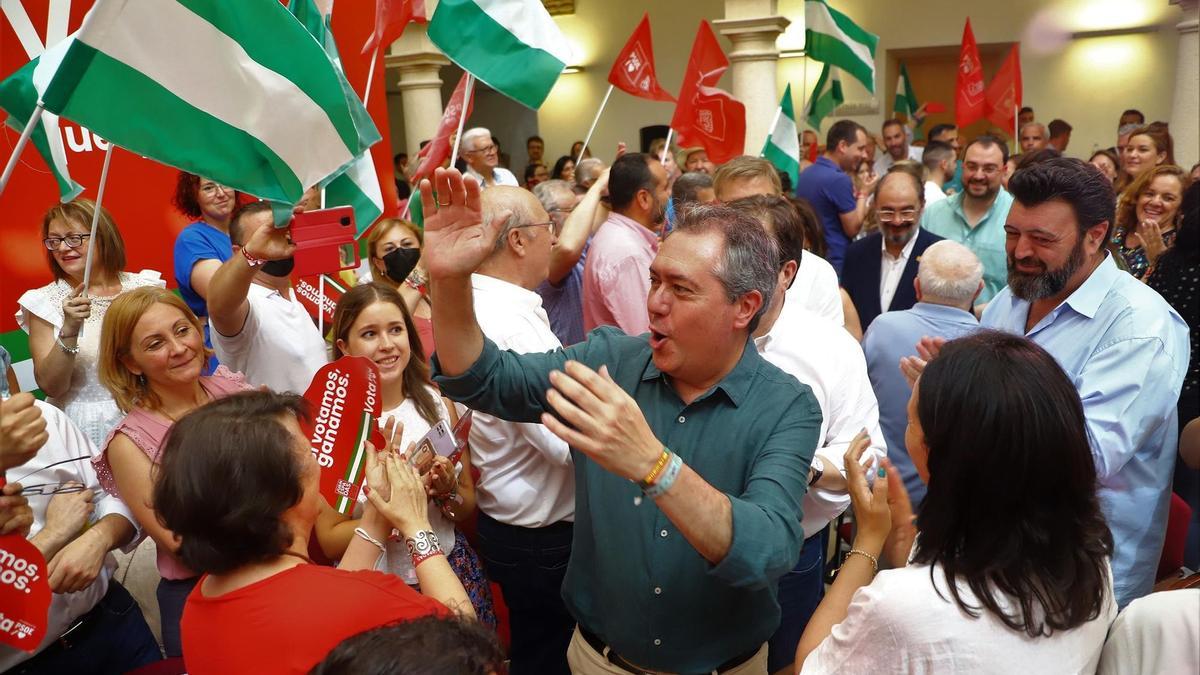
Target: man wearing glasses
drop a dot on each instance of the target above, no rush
(483, 159)
(880, 268)
(975, 217)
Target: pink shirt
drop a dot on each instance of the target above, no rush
(616, 278)
(148, 430)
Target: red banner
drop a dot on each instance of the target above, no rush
(706, 116)
(346, 402)
(437, 152)
(316, 298)
(391, 18)
(968, 89)
(139, 191)
(24, 593)
(633, 71)
(1004, 93)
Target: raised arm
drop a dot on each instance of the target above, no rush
(580, 225)
(230, 285)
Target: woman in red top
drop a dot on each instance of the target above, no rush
(239, 486)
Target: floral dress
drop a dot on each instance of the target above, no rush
(1135, 258)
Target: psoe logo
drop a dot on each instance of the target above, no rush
(19, 628)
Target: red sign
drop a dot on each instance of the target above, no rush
(633, 71)
(345, 401)
(24, 593)
(317, 297)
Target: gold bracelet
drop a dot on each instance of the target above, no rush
(868, 556)
(658, 467)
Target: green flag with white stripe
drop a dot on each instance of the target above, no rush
(19, 94)
(906, 97)
(831, 37)
(238, 92)
(358, 186)
(783, 145)
(513, 46)
(826, 96)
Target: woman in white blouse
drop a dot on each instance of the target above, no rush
(1006, 570)
(64, 322)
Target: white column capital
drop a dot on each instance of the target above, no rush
(753, 38)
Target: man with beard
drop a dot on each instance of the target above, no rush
(881, 266)
(616, 277)
(975, 217)
(895, 141)
(1118, 340)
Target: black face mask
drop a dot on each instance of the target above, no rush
(279, 268)
(400, 263)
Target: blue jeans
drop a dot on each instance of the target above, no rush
(800, 591)
(112, 638)
(172, 595)
(529, 564)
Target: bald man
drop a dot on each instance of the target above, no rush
(526, 487)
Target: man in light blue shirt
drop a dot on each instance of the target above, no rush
(975, 217)
(949, 279)
(1125, 349)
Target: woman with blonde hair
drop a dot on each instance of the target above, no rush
(63, 319)
(151, 357)
(1148, 147)
(394, 248)
(1147, 217)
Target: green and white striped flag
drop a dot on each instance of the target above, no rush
(826, 96)
(238, 92)
(783, 145)
(906, 98)
(19, 94)
(831, 37)
(512, 46)
(358, 186)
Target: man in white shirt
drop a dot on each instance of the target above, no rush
(815, 286)
(895, 141)
(94, 625)
(526, 487)
(259, 328)
(825, 357)
(940, 162)
(483, 159)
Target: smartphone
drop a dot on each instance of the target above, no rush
(439, 441)
(324, 241)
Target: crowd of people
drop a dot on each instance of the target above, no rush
(933, 408)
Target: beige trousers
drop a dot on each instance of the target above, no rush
(587, 661)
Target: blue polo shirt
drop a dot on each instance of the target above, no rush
(830, 192)
(199, 241)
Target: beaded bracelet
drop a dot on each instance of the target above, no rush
(667, 479)
(868, 556)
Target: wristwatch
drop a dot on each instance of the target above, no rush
(817, 469)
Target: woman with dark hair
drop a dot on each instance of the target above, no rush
(1147, 216)
(64, 322)
(204, 244)
(564, 169)
(1106, 161)
(433, 645)
(1007, 566)
(372, 321)
(535, 172)
(239, 487)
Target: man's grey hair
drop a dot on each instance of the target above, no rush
(688, 185)
(1126, 129)
(949, 274)
(469, 137)
(1045, 132)
(587, 171)
(750, 261)
(552, 192)
(500, 198)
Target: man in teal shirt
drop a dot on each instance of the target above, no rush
(975, 217)
(691, 452)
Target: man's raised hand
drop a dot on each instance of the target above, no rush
(456, 238)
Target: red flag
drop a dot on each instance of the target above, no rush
(391, 16)
(706, 116)
(438, 150)
(1004, 93)
(633, 71)
(968, 89)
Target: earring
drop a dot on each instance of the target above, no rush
(141, 380)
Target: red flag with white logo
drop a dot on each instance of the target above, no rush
(438, 150)
(1004, 93)
(391, 17)
(969, 101)
(706, 116)
(633, 71)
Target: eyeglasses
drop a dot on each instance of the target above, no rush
(889, 216)
(72, 241)
(213, 188)
(987, 169)
(553, 226)
(485, 149)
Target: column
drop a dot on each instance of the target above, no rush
(419, 64)
(753, 26)
(1185, 109)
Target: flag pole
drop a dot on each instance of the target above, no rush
(462, 119)
(804, 93)
(370, 74)
(16, 155)
(321, 290)
(595, 121)
(87, 265)
(667, 146)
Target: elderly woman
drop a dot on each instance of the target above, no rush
(1148, 216)
(1006, 573)
(239, 487)
(63, 321)
(151, 357)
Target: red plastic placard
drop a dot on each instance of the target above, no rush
(24, 593)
